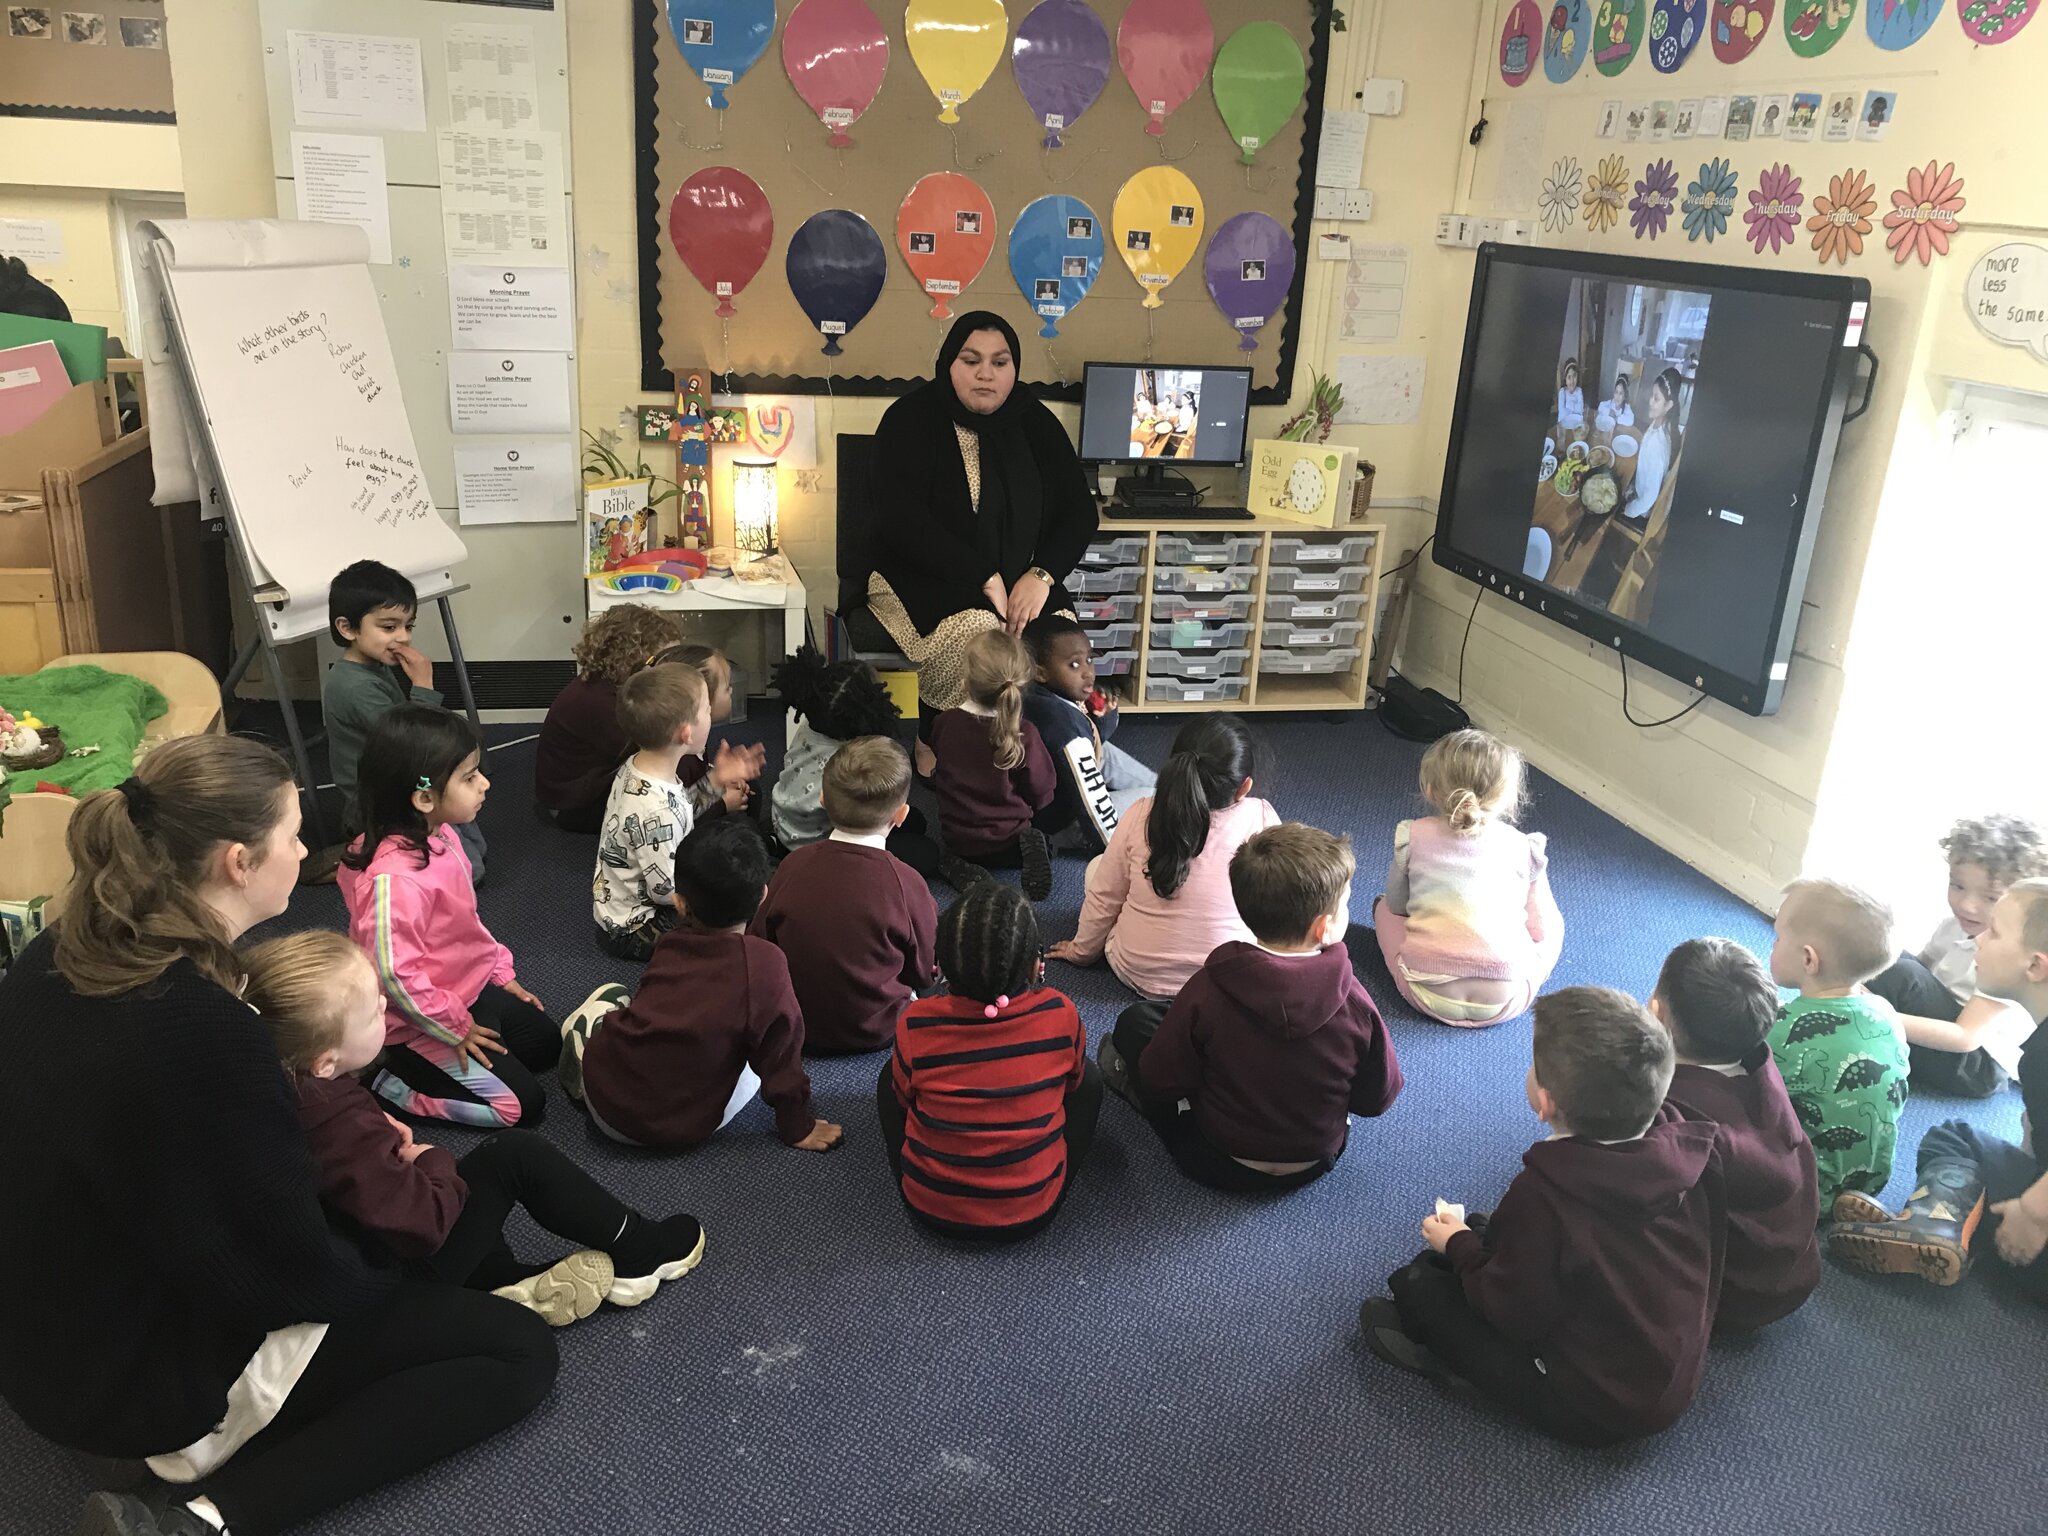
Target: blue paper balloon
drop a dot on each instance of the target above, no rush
(721, 39)
(836, 266)
(1055, 252)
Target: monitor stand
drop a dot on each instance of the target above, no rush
(1150, 489)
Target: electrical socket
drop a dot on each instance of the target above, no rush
(1517, 231)
(1447, 229)
(1358, 203)
(1489, 229)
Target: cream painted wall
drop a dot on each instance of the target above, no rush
(89, 276)
(1733, 794)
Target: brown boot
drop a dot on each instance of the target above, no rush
(1930, 1238)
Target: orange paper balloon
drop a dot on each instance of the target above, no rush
(945, 230)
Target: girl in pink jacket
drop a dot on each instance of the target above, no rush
(1159, 899)
(463, 1038)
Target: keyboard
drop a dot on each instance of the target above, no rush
(1191, 512)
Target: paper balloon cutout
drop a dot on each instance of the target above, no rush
(836, 264)
(945, 229)
(1249, 268)
(1055, 254)
(720, 224)
(1567, 39)
(1259, 78)
(1521, 39)
(1164, 47)
(1897, 24)
(955, 45)
(1158, 219)
(721, 39)
(835, 53)
(1061, 60)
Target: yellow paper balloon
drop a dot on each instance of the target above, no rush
(956, 45)
(1157, 219)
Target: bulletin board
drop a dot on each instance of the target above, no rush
(770, 346)
(86, 59)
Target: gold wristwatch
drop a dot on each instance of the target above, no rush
(1043, 575)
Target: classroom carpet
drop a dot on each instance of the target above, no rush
(1168, 1359)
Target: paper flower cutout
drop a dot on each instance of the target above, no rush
(1656, 194)
(1842, 218)
(1924, 213)
(1559, 199)
(1605, 195)
(1773, 216)
(1710, 201)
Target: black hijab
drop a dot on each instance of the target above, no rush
(1011, 490)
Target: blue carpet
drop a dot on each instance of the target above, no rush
(1166, 1359)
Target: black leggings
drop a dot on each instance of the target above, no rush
(428, 1371)
(1083, 1108)
(520, 1168)
(1192, 1152)
(533, 1043)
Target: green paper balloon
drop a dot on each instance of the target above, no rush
(1259, 78)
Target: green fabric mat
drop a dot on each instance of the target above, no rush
(91, 707)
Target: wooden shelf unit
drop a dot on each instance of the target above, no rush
(1270, 691)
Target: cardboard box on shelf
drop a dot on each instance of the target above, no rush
(1305, 483)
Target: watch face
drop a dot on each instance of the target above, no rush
(1305, 486)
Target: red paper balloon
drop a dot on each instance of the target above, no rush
(945, 230)
(835, 53)
(1164, 47)
(721, 225)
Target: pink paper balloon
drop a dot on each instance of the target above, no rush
(835, 53)
(1164, 47)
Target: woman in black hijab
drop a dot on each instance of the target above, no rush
(981, 510)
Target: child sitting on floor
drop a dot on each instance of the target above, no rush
(370, 612)
(835, 702)
(1964, 1176)
(1961, 1040)
(856, 924)
(714, 1023)
(995, 1077)
(464, 1037)
(1584, 1303)
(1098, 780)
(1158, 901)
(994, 781)
(581, 742)
(415, 1204)
(1252, 1075)
(1840, 1050)
(726, 782)
(1468, 926)
(1718, 1003)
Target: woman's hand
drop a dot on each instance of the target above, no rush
(998, 596)
(1027, 601)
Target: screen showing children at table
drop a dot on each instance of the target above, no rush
(1644, 449)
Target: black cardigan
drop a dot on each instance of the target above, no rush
(924, 534)
(154, 1166)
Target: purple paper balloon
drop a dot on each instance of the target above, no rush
(1249, 268)
(1061, 59)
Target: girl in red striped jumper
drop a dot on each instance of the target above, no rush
(989, 1101)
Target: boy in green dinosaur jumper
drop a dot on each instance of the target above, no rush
(1840, 1049)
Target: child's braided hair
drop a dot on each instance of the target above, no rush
(842, 700)
(988, 943)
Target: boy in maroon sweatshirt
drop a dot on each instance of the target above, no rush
(1719, 1003)
(1252, 1074)
(855, 923)
(1585, 1302)
(714, 1023)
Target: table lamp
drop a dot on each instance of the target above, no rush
(753, 505)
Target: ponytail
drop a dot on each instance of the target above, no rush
(296, 984)
(1211, 757)
(998, 667)
(141, 856)
(1465, 813)
(1470, 777)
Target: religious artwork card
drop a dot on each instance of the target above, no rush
(1660, 121)
(1610, 120)
(657, 424)
(1803, 120)
(1741, 118)
(1685, 119)
(1879, 107)
(87, 27)
(1771, 114)
(1840, 126)
(1635, 121)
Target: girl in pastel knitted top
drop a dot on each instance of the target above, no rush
(1468, 925)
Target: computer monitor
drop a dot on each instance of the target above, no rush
(1162, 417)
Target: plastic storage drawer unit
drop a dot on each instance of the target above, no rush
(1293, 637)
(1109, 583)
(1111, 610)
(1315, 583)
(1129, 550)
(1115, 663)
(1114, 637)
(1214, 608)
(1309, 663)
(1172, 691)
(1316, 552)
(1198, 665)
(1190, 636)
(1195, 549)
(1311, 607)
(1196, 579)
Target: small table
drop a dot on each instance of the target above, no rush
(788, 601)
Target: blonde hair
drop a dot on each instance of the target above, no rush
(998, 667)
(140, 856)
(1851, 929)
(1469, 776)
(622, 640)
(294, 984)
(2031, 895)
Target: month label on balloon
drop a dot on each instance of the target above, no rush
(1249, 322)
(837, 117)
(717, 76)
(950, 96)
(832, 327)
(1054, 310)
(1158, 108)
(1055, 120)
(1154, 279)
(1248, 141)
(724, 290)
(941, 285)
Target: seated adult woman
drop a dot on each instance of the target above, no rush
(981, 511)
(206, 1320)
